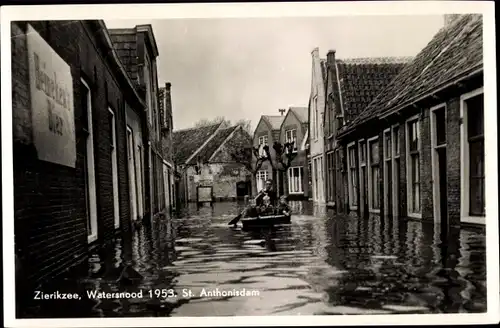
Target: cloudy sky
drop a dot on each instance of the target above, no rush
(248, 67)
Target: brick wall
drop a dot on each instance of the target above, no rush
(426, 183)
(453, 160)
(50, 219)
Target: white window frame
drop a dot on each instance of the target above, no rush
(114, 170)
(464, 156)
(409, 181)
(140, 179)
(386, 159)
(263, 140)
(361, 182)
(262, 175)
(132, 173)
(290, 180)
(369, 168)
(396, 155)
(351, 146)
(290, 138)
(316, 120)
(92, 192)
(434, 160)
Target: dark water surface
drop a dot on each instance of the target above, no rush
(320, 264)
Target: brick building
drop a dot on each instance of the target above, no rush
(295, 128)
(423, 135)
(79, 126)
(166, 119)
(351, 85)
(267, 132)
(70, 98)
(316, 134)
(149, 183)
(203, 158)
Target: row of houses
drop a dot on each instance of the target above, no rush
(92, 140)
(403, 136)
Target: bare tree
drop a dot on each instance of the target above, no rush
(283, 160)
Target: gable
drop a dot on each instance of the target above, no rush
(262, 128)
(240, 139)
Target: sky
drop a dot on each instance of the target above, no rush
(242, 68)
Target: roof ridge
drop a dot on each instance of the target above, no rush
(197, 127)
(377, 60)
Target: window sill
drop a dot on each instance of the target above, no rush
(474, 219)
(415, 215)
(353, 208)
(296, 193)
(92, 238)
(371, 210)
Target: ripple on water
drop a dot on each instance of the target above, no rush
(332, 265)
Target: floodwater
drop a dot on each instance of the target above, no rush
(321, 264)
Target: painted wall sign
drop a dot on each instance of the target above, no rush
(51, 86)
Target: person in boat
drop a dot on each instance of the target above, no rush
(266, 208)
(254, 208)
(267, 191)
(283, 208)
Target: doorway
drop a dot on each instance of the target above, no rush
(439, 165)
(242, 189)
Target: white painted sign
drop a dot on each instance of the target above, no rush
(51, 86)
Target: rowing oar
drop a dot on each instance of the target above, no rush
(238, 217)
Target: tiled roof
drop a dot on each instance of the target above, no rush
(302, 113)
(124, 42)
(209, 149)
(187, 141)
(362, 79)
(274, 120)
(455, 51)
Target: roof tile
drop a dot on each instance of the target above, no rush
(274, 120)
(187, 141)
(210, 148)
(453, 52)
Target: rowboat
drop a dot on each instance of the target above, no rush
(265, 221)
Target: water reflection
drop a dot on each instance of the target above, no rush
(320, 264)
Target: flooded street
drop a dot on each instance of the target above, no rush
(320, 264)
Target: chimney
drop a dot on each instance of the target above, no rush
(330, 57)
(315, 52)
(282, 111)
(449, 19)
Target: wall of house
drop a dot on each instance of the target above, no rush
(454, 160)
(290, 123)
(263, 129)
(49, 207)
(222, 177)
(316, 123)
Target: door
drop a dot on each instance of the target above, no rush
(443, 199)
(389, 209)
(131, 170)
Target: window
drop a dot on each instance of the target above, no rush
(374, 175)
(413, 172)
(316, 189)
(474, 124)
(316, 117)
(114, 167)
(395, 170)
(353, 176)
(331, 176)
(262, 142)
(140, 179)
(295, 175)
(291, 136)
(132, 178)
(90, 184)
(388, 174)
(262, 176)
(362, 173)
